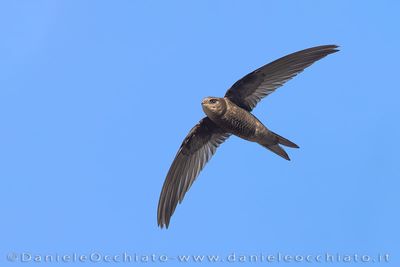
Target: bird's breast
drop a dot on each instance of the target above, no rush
(240, 123)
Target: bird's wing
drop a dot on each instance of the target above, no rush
(196, 150)
(249, 90)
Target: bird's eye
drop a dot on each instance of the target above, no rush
(213, 101)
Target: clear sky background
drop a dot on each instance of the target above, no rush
(97, 96)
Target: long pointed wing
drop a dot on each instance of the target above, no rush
(249, 90)
(196, 150)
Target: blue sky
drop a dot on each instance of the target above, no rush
(96, 97)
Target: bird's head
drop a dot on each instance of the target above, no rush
(213, 106)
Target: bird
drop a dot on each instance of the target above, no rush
(231, 115)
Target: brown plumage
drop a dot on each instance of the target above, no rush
(231, 115)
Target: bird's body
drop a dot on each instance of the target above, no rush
(238, 121)
(232, 115)
(234, 119)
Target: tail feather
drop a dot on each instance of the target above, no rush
(277, 149)
(284, 141)
(273, 142)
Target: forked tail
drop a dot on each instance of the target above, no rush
(276, 148)
(284, 141)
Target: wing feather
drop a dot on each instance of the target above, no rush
(196, 150)
(253, 87)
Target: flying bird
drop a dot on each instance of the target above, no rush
(229, 115)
